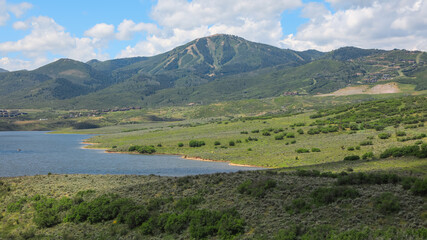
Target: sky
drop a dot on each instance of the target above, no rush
(36, 32)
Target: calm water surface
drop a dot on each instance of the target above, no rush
(41, 153)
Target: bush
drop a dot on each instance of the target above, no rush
(300, 131)
(350, 148)
(366, 143)
(418, 151)
(330, 195)
(387, 203)
(315, 150)
(302, 150)
(244, 132)
(142, 149)
(351, 158)
(313, 131)
(256, 188)
(290, 135)
(384, 135)
(266, 134)
(371, 178)
(231, 143)
(368, 155)
(279, 137)
(419, 187)
(216, 143)
(85, 125)
(180, 144)
(400, 133)
(298, 205)
(255, 131)
(16, 206)
(196, 143)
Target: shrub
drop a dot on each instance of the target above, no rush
(196, 143)
(384, 135)
(302, 150)
(216, 143)
(244, 132)
(255, 131)
(387, 203)
(354, 126)
(313, 131)
(300, 131)
(315, 150)
(298, 205)
(350, 148)
(351, 158)
(266, 133)
(279, 137)
(366, 143)
(405, 151)
(231, 143)
(368, 155)
(180, 144)
(371, 178)
(85, 125)
(400, 133)
(290, 135)
(419, 187)
(142, 149)
(16, 206)
(332, 194)
(256, 188)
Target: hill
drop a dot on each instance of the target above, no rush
(3, 70)
(210, 69)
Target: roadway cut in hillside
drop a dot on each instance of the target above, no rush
(366, 89)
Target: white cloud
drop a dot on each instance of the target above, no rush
(17, 9)
(101, 31)
(128, 28)
(380, 24)
(183, 21)
(45, 39)
(20, 25)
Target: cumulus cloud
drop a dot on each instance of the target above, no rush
(128, 28)
(17, 9)
(183, 21)
(101, 31)
(47, 38)
(379, 24)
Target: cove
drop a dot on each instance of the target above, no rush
(32, 153)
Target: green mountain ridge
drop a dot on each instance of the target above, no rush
(210, 69)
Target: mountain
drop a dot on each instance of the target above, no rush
(210, 69)
(3, 70)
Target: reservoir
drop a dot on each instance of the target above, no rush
(32, 153)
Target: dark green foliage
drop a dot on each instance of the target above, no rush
(196, 143)
(216, 143)
(85, 125)
(297, 206)
(188, 203)
(279, 136)
(48, 210)
(315, 149)
(251, 139)
(180, 144)
(231, 143)
(300, 131)
(255, 131)
(370, 178)
(419, 187)
(417, 151)
(142, 149)
(384, 135)
(266, 133)
(256, 188)
(366, 143)
(329, 195)
(350, 148)
(313, 131)
(302, 150)
(400, 133)
(290, 135)
(16, 206)
(351, 158)
(387, 203)
(368, 155)
(244, 132)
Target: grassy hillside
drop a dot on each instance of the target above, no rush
(244, 205)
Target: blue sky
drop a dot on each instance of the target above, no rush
(34, 33)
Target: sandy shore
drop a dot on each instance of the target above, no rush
(184, 157)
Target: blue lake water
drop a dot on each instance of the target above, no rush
(41, 153)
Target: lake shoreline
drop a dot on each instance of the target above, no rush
(107, 150)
